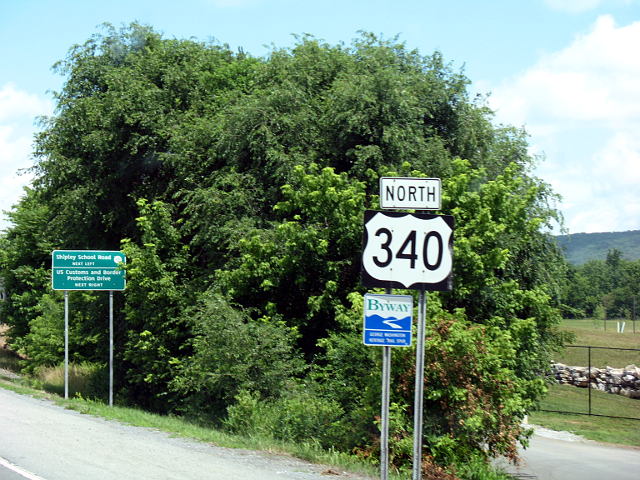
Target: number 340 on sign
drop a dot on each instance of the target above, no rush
(407, 250)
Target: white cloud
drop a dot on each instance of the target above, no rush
(619, 160)
(17, 104)
(15, 150)
(18, 110)
(594, 79)
(581, 105)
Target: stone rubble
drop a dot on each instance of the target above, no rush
(622, 381)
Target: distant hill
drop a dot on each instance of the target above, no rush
(582, 247)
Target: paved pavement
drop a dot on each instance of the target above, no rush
(38, 437)
(563, 456)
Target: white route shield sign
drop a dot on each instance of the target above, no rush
(407, 250)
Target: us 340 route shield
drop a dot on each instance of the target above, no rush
(407, 250)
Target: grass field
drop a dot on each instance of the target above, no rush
(591, 332)
(573, 399)
(602, 429)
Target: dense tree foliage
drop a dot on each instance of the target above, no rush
(579, 248)
(236, 186)
(609, 288)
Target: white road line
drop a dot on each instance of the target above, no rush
(20, 471)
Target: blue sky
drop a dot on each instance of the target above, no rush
(566, 70)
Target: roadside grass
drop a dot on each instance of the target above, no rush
(82, 380)
(592, 332)
(9, 360)
(602, 429)
(180, 427)
(568, 398)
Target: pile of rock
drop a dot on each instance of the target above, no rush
(622, 381)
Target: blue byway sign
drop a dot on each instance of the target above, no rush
(387, 320)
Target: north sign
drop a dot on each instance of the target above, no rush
(410, 193)
(88, 270)
(407, 250)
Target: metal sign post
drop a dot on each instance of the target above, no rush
(411, 251)
(66, 344)
(384, 427)
(418, 401)
(384, 407)
(87, 270)
(110, 348)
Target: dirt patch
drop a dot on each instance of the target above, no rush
(4, 373)
(3, 332)
(9, 361)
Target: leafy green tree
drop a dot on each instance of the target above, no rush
(25, 252)
(239, 184)
(610, 284)
(233, 354)
(301, 268)
(156, 333)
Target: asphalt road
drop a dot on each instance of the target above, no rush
(40, 438)
(41, 441)
(7, 474)
(562, 456)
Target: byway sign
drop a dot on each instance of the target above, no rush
(387, 320)
(407, 250)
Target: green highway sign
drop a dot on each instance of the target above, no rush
(88, 270)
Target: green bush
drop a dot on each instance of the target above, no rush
(474, 402)
(297, 417)
(232, 354)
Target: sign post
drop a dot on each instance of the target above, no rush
(110, 348)
(384, 411)
(66, 344)
(387, 323)
(87, 270)
(409, 251)
(418, 399)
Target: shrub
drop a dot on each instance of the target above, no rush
(296, 417)
(233, 354)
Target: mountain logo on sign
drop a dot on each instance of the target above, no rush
(376, 322)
